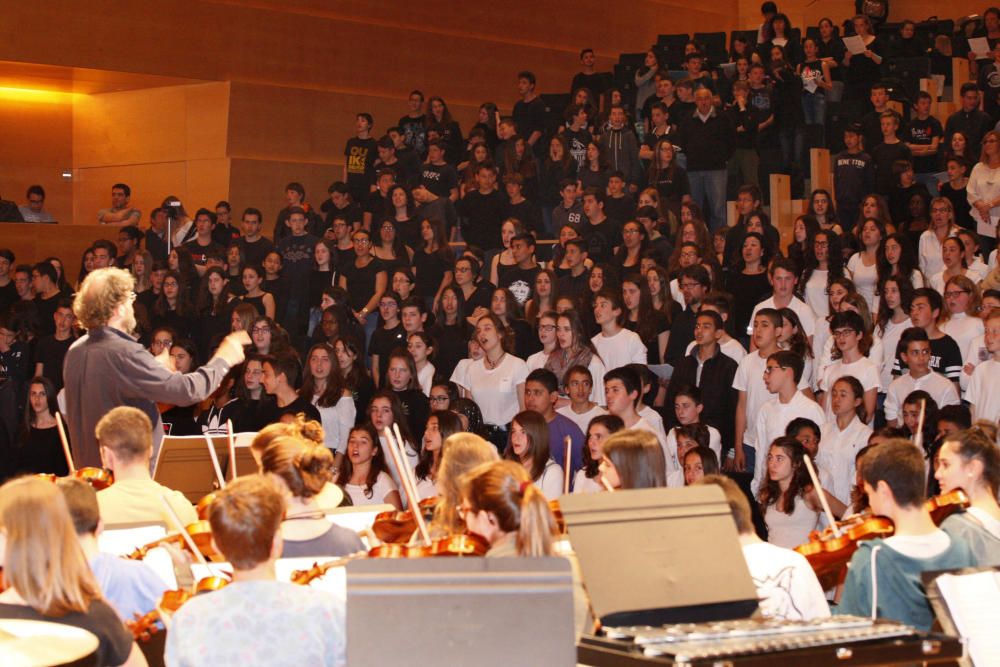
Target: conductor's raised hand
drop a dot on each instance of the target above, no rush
(231, 347)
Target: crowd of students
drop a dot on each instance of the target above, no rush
(595, 325)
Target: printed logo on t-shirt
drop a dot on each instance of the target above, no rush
(357, 160)
(521, 290)
(776, 591)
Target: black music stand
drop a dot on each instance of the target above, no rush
(659, 556)
(488, 612)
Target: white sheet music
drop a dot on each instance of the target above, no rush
(122, 542)
(855, 44)
(980, 46)
(973, 600)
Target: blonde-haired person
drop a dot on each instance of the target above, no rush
(299, 426)
(502, 504)
(47, 573)
(304, 471)
(983, 188)
(460, 453)
(962, 299)
(108, 367)
(633, 459)
(125, 435)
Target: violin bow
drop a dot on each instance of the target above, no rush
(918, 437)
(183, 532)
(568, 449)
(822, 494)
(411, 479)
(232, 449)
(399, 459)
(65, 443)
(215, 461)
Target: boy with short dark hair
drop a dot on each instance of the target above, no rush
(575, 283)
(359, 158)
(781, 376)
(712, 372)
(619, 205)
(884, 576)
(853, 177)
(615, 344)
(915, 350)
(946, 357)
(578, 384)
(541, 391)
(569, 210)
(279, 378)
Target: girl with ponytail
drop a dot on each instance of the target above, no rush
(303, 471)
(503, 505)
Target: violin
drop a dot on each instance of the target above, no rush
(199, 531)
(204, 504)
(399, 526)
(557, 515)
(829, 555)
(468, 544)
(144, 627)
(943, 506)
(99, 478)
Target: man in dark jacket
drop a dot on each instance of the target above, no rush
(969, 120)
(708, 138)
(707, 368)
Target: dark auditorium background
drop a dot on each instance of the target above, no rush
(225, 99)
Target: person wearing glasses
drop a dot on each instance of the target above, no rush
(946, 356)
(915, 351)
(931, 241)
(365, 280)
(781, 377)
(109, 358)
(34, 210)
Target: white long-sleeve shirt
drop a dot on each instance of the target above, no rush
(837, 451)
(984, 185)
(772, 419)
(929, 251)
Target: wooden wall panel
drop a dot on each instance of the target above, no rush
(35, 147)
(352, 46)
(152, 125)
(160, 141)
(261, 184)
(32, 243)
(197, 183)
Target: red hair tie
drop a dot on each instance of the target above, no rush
(524, 485)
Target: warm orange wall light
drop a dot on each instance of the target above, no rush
(14, 94)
